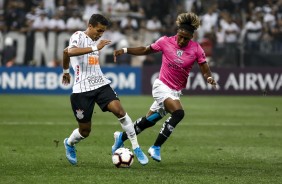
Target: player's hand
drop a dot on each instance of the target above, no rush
(117, 53)
(103, 43)
(66, 79)
(212, 82)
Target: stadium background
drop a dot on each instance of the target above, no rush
(233, 136)
(242, 41)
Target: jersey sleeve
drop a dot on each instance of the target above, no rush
(200, 54)
(74, 39)
(158, 45)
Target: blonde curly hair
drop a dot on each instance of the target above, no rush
(188, 21)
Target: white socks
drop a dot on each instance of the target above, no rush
(128, 127)
(126, 124)
(74, 138)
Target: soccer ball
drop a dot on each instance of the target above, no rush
(123, 158)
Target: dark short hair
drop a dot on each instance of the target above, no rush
(97, 18)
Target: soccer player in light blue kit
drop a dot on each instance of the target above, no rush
(179, 53)
(91, 86)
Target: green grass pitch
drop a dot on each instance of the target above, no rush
(222, 139)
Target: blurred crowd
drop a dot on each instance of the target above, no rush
(230, 28)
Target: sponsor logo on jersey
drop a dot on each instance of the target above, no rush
(77, 73)
(94, 80)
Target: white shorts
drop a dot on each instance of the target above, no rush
(160, 93)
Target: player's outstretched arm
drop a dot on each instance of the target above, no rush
(205, 69)
(137, 51)
(76, 51)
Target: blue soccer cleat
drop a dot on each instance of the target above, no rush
(118, 142)
(70, 153)
(154, 152)
(142, 158)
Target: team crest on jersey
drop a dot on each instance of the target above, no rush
(79, 114)
(179, 53)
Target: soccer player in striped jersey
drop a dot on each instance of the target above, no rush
(179, 53)
(91, 86)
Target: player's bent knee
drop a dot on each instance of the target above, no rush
(85, 129)
(116, 108)
(85, 132)
(178, 115)
(119, 113)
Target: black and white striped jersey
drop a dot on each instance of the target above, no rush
(87, 72)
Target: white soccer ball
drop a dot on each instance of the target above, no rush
(123, 158)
